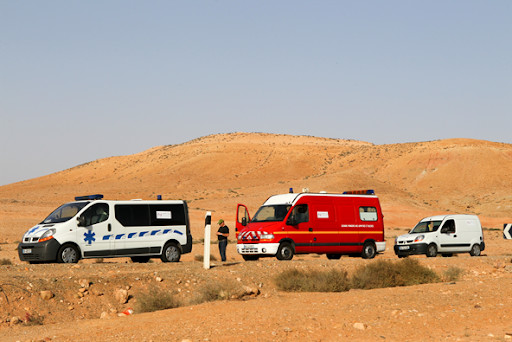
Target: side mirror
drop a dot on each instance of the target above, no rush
(244, 221)
(81, 221)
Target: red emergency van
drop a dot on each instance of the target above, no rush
(297, 223)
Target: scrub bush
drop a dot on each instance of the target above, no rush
(154, 299)
(377, 274)
(295, 280)
(5, 262)
(453, 273)
(384, 273)
(217, 291)
(200, 257)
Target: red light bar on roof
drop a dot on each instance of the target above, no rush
(359, 192)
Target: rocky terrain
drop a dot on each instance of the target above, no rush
(100, 299)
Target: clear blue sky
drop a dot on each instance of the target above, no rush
(83, 80)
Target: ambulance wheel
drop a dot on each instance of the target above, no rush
(171, 253)
(431, 250)
(475, 250)
(141, 259)
(68, 254)
(333, 256)
(369, 250)
(250, 257)
(285, 251)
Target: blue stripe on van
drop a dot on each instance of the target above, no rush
(154, 232)
(119, 236)
(166, 231)
(33, 229)
(106, 237)
(141, 234)
(131, 235)
(178, 232)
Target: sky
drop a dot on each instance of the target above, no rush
(84, 80)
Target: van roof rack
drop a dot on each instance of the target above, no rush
(89, 197)
(360, 192)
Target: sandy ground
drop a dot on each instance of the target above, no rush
(476, 307)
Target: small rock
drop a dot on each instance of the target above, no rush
(84, 283)
(250, 291)
(121, 296)
(95, 291)
(15, 320)
(360, 326)
(46, 295)
(82, 290)
(159, 279)
(104, 315)
(71, 307)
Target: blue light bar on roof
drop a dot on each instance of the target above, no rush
(89, 197)
(360, 192)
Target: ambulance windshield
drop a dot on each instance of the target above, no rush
(426, 227)
(269, 213)
(64, 212)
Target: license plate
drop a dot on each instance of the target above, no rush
(248, 246)
(403, 248)
(26, 251)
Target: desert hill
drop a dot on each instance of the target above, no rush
(216, 172)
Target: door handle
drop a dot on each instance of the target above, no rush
(310, 229)
(455, 236)
(109, 227)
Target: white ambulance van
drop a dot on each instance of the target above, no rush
(91, 227)
(445, 234)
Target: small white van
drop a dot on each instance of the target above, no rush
(445, 234)
(91, 227)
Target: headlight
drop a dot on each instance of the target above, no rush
(48, 235)
(266, 236)
(419, 238)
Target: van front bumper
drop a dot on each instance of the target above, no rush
(257, 248)
(40, 251)
(411, 249)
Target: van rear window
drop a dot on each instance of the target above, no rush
(368, 213)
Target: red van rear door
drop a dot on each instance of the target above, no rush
(242, 216)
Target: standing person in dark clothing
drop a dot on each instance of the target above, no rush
(222, 234)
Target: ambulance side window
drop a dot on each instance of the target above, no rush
(133, 215)
(167, 215)
(368, 213)
(96, 213)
